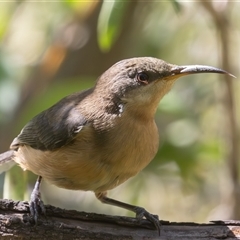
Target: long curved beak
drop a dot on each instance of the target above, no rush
(192, 69)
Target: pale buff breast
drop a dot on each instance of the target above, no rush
(95, 164)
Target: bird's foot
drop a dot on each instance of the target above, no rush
(36, 205)
(141, 212)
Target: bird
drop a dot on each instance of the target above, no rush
(96, 139)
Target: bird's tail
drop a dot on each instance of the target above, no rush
(6, 161)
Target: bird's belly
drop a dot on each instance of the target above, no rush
(83, 166)
(79, 173)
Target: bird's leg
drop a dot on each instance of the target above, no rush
(140, 212)
(35, 203)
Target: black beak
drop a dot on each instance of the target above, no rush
(192, 69)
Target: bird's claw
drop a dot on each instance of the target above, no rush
(141, 212)
(36, 205)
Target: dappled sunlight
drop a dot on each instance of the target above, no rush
(49, 50)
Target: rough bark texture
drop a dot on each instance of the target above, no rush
(15, 223)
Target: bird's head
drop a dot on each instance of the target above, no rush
(142, 82)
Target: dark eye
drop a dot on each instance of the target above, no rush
(143, 77)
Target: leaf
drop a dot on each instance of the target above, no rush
(5, 17)
(177, 6)
(110, 22)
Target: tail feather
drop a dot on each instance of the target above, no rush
(6, 161)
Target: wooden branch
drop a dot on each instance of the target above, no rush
(15, 223)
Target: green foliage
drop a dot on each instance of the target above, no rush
(15, 183)
(110, 22)
(5, 16)
(192, 136)
(177, 6)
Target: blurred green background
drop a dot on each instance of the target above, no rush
(51, 49)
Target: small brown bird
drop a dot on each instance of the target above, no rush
(97, 139)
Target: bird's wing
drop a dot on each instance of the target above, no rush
(54, 127)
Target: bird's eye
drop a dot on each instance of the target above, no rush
(143, 77)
